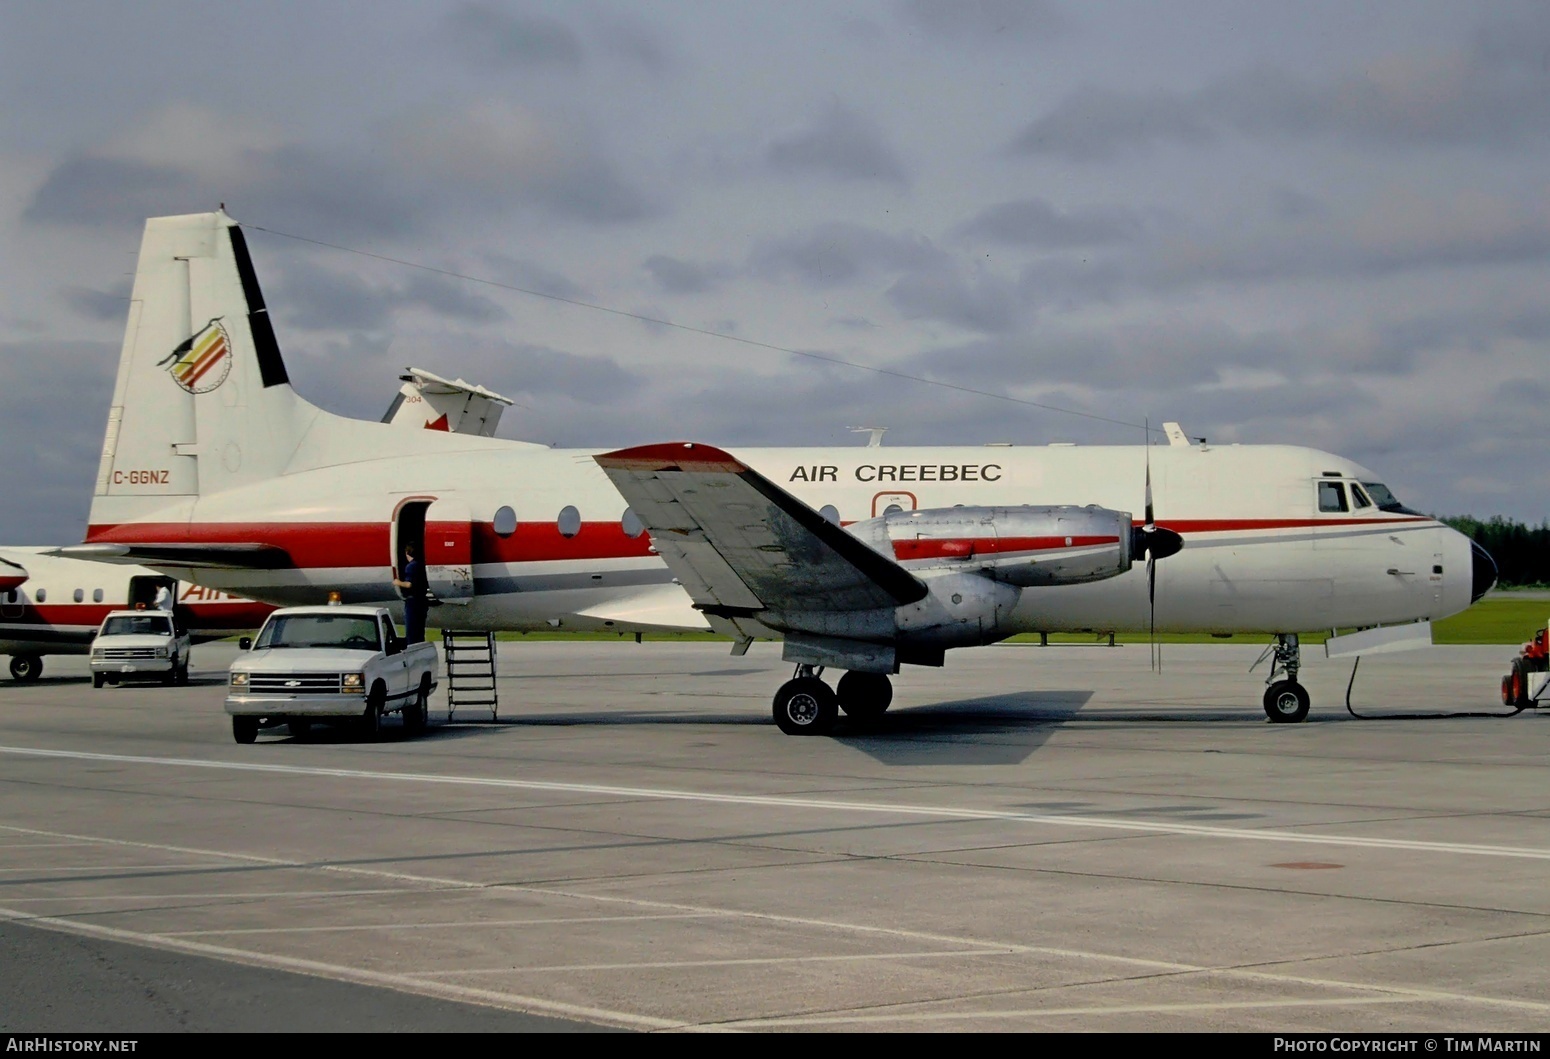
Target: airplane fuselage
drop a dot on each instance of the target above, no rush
(1265, 550)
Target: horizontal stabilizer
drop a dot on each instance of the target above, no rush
(12, 575)
(203, 556)
(741, 544)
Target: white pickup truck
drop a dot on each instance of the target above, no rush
(333, 664)
(139, 645)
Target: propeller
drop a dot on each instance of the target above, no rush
(1155, 543)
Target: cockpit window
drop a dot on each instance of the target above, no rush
(1358, 498)
(1386, 500)
(1332, 497)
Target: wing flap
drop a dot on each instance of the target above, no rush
(738, 542)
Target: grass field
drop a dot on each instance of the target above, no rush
(1502, 618)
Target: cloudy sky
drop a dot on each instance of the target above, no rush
(1313, 223)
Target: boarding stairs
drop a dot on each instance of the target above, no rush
(470, 661)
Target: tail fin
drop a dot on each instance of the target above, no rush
(202, 401)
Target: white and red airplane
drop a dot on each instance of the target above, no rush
(51, 605)
(216, 471)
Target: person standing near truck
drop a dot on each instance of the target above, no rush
(414, 589)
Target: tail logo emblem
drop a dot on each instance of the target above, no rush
(201, 363)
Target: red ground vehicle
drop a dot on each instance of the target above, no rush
(1524, 686)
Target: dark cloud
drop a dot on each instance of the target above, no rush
(541, 371)
(978, 302)
(87, 189)
(674, 276)
(290, 187)
(449, 298)
(634, 41)
(839, 145)
(501, 39)
(980, 21)
(593, 191)
(1400, 232)
(839, 252)
(1035, 223)
(54, 398)
(530, 275)
(312, 298)
(347, 195)
(1487, 93)
(99, 305)
(1160, 354)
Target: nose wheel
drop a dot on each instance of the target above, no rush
(1286, 701)
(805, 705)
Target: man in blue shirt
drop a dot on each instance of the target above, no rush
(414, 590)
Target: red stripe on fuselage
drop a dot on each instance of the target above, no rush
(1226, 525)
(314, 545)
(963, 547)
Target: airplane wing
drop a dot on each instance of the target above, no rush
(179, 553)
(740, 544)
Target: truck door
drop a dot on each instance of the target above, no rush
(449, 551)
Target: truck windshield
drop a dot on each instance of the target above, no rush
(137, 625)
(319, 630)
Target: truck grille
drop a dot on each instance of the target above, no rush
(295, 683)
(127, 652)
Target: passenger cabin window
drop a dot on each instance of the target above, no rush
(830, 514)
(96, 595)
(42, 595)
(505, 522)
(569, 521)
(1332, 497)
(631, 524)
(1359, 499)
(80, 595)
(892, 509)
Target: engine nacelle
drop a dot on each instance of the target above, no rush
(1023, 546)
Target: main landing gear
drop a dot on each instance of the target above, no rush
(805, 705)
(1286, 701)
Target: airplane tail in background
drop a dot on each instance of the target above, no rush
(202, 401)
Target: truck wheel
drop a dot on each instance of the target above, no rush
(298, 726)
(25, 668)
(416, 712)
(244, 729)
(182, 674)
(97, 680)
(371, 718)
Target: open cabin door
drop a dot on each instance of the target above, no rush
(449, 551)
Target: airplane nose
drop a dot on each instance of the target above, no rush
(1482, 572)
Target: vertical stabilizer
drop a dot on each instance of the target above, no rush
(202, 402)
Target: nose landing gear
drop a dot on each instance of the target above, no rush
(1286, 701)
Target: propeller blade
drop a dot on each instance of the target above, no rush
(1150, 521)
(1151, 602)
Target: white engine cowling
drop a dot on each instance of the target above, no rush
(1023, 546)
